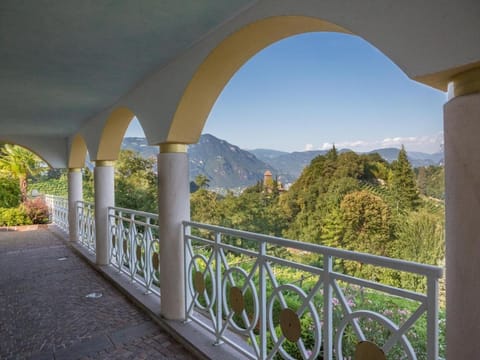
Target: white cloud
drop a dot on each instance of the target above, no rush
(308, 147)
(428, 143)
(326, 146)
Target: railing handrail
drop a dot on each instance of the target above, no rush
(376, 260)
(82, 202)
(135, 212)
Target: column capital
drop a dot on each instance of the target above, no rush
(173, 148)
(465, 83)
(74, 169)
(99, 163)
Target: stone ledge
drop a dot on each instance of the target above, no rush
(24, 227)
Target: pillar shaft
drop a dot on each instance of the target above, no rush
(104, 197)
(173, 208)
(75, 193)
(462, 180)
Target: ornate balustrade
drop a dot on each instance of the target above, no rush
(86, 224)
(58, 210)
(271, 297)
(134, 246)
(290, 298)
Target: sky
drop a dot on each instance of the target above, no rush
(313, 90)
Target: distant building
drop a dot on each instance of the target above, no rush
(269, 183)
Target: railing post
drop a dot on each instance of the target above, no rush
(121, 239)
(75, 193)
(132, 232)
(432, 318)
(109, 233)
(263, 300)
(218, 287)
(78, 219)
(327, 309)
(148, 236)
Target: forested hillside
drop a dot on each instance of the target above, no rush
(351, 201)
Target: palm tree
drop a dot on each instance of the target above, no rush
(19, 163)
(202, 181)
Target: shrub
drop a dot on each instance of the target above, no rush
(36, 210)
(9, 192)
(14, 217)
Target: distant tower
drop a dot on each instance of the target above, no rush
(267, 179)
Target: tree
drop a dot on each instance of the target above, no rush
(20, 163)
(367, 228)
(403, 183)
(9, 192)
(202, 181)
(135, 182)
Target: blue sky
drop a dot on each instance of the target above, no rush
(312, 90)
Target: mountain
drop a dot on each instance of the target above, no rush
(289, 165)
(140, 145)
(292, 164)
(229, 167)
(226, 165)
(416, 158)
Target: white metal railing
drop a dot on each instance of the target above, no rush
(241, 285)
(134, 246)
(85, 217)
(58, 210)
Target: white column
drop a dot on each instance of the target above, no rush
(462, 179)
(75, 193)
(104, 197)
(173, 208)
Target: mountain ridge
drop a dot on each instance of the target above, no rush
(227, 166)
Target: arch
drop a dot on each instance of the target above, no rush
(113, 133)
(78, 152)
(221, 64)
(29, 148)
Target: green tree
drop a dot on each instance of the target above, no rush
(204, 207)
(9, 192)
(367, 228)
(20, 163)
(202, 181)
(88, 185)
(135, 182)
(403, 185)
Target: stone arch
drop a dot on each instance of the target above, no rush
(113, 133)
(222, 63)
(78, 152)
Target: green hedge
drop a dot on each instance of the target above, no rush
(14, 216)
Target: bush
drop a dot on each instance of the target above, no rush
(14, 217)
(36, 210)
(9, 192)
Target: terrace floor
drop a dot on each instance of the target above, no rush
(45, 314)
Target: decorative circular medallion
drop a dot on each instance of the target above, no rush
(366, 350)
(236, 300)
(124, 247)
(139, 252)
(155, 260)
(114, 240)
(290, 325)
(198, 282)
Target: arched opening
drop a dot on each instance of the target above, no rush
(113, 133)
(218, 68)
(19, 204)
(136, 171)
(335, 208)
